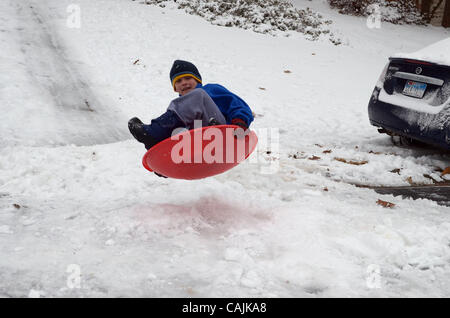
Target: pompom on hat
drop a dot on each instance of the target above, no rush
(182, 69)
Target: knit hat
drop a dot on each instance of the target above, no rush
(182, 69)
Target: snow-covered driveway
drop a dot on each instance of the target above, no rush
(84, 212)
(45, 98)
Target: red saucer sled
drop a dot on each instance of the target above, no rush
(201, 152)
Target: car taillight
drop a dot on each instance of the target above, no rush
(382, 76)
(418, 62)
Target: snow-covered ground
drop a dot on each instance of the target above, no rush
(77, 209)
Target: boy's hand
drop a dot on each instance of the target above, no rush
(242, 131)
(239, 122)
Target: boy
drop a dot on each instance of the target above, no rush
(213, 104)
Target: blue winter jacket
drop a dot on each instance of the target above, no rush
(231, 106)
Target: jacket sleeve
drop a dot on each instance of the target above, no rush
(231, 105)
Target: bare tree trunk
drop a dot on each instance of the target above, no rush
(425, 9)
(446, 20)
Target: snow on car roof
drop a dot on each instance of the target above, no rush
(435, 53)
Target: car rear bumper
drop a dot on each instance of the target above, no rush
(387, 116)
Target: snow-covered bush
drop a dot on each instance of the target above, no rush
(262, 16)
(397, 12)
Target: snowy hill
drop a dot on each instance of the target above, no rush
(77, 209)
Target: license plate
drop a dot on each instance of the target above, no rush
(414, 89)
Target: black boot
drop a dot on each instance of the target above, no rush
(160, 175)
(136, 127)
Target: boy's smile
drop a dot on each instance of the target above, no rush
(185, 84)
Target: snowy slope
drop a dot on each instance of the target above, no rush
(302, 230)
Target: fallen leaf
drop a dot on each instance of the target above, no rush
(190, 291)
(327, 151)
(136, 62)
(262, 88)
(395, 171)
(375, 153)
(351, 162)
(410, 180)
(297, 155)
(385, 204)
(16, 206)
(287, 71)
(325, 189)
(446, 171)
(318, 145)
(314, 158)
(358, 163)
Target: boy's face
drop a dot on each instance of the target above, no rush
(184, 85)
